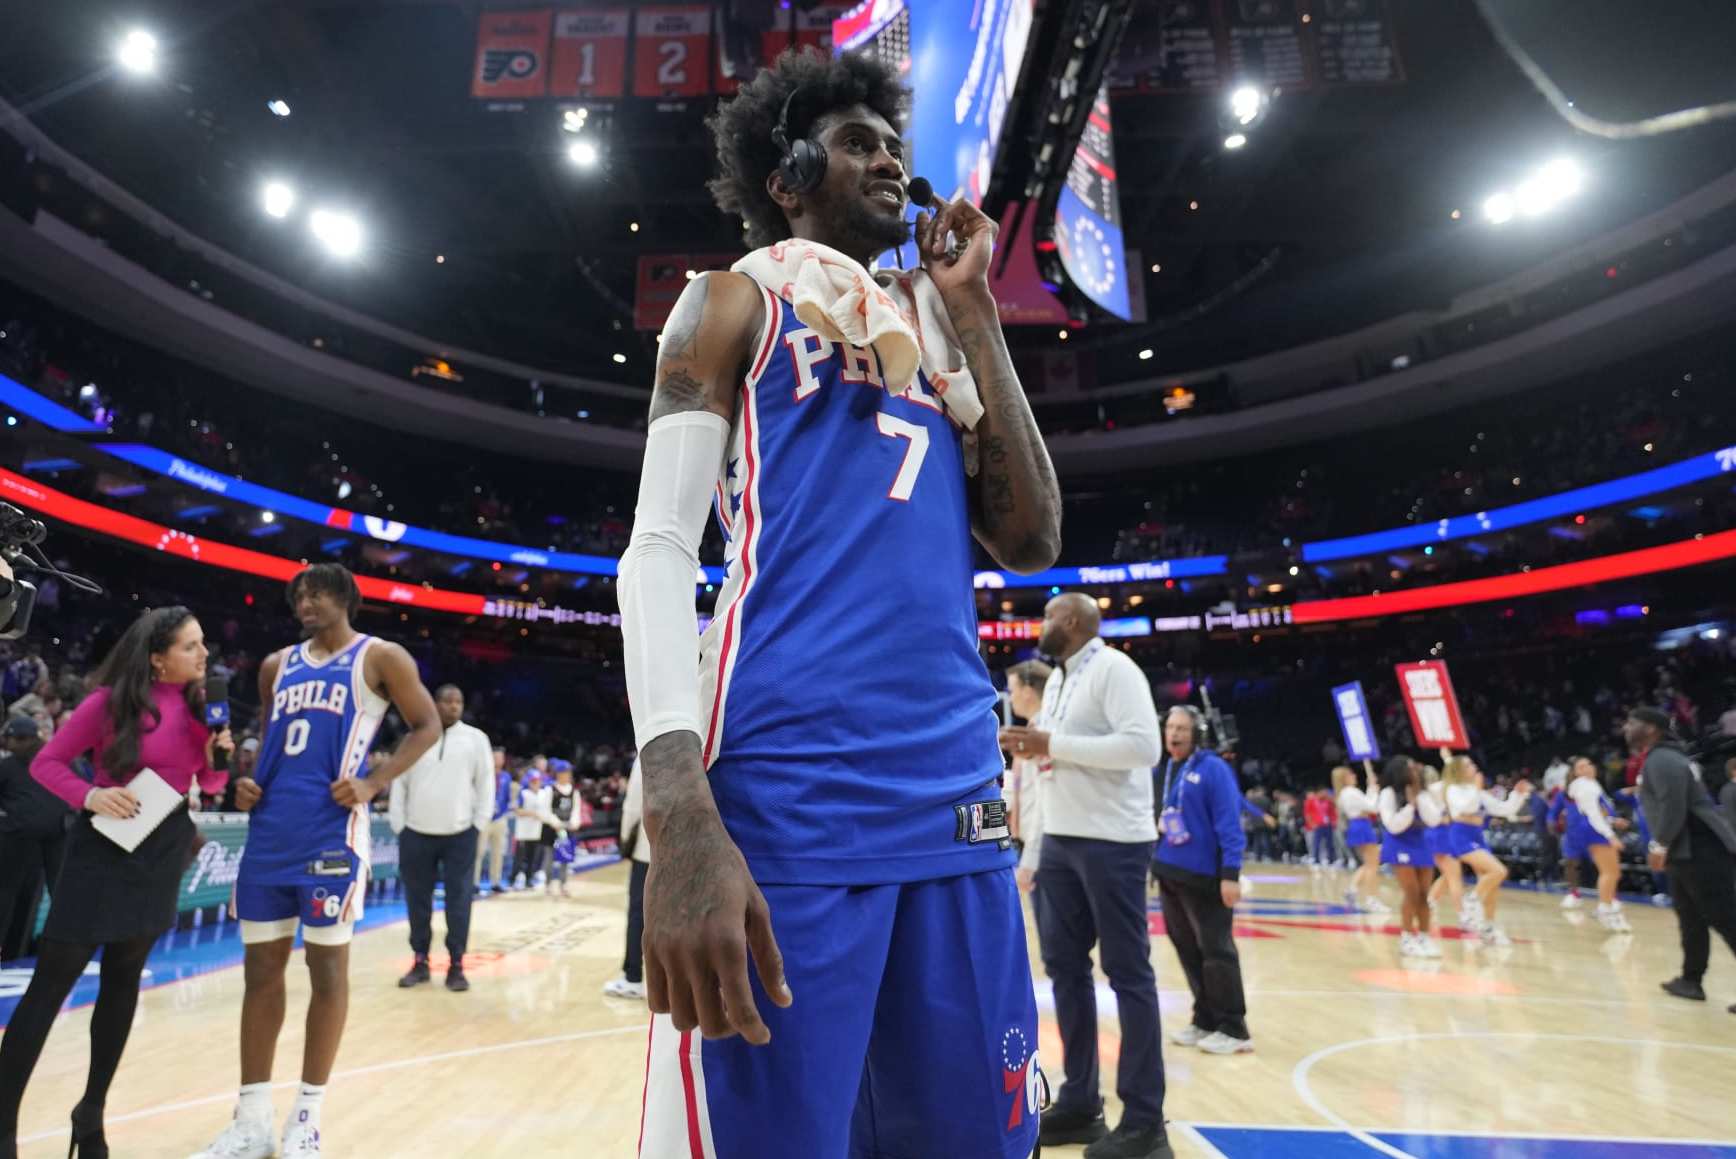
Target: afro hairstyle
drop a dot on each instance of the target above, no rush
(742, 126)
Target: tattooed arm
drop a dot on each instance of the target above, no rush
(704, 915)
(1015, 499)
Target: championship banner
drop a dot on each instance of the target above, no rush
(511, 56)
(1353, 718)
(590, 54)
(672, 51)
(1434, 710)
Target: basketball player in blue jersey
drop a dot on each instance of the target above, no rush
(306, 860)
(821, 789)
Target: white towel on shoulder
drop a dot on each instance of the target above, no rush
(899, 313)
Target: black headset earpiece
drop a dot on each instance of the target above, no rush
(803, 164)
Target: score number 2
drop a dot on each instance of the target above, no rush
(894, 427)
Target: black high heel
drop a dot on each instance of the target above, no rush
(87, 1134)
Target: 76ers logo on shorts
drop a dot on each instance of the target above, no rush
(1021, 1075)
(324, 904)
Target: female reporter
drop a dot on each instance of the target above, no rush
(146, 713)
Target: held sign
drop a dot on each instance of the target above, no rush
(1353, 718)
(1434, 710)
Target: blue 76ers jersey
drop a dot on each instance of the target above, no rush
(845, 709)
(322, 720)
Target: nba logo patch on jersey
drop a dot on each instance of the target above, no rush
(1021, 1076)
(344, 660)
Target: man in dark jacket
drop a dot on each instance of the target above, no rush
(33, 824)
(1693, 839)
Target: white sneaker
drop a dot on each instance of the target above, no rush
(1374, 905)
(1613, 920)
(242, 1139)
(1188, 1035)
(1494, 935)
(1661, 900)
(1427, 947)
(300, 1139)
(621, 988)
(1572, 901)
(1221, 1043)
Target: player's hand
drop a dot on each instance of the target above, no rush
(1024, 742)
(247, 793)
(1657, 859)
(117, 803)
(965, 265)
(1271, 821)
(703, 917)
(352, 791)
(1027, 879)
(1231, 892)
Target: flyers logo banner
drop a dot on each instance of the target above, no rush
(511, 55)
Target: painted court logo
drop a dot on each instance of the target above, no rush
(1021, 1075)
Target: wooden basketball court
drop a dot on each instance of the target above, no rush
(1560, 1045)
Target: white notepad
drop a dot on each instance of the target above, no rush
(156, 801)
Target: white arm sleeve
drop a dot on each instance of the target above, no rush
(1508, 809)
(1392, 818)
(1588, 796)
(659, 620)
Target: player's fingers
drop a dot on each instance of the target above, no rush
(737, 993)
(768, 960)
(680, 987)
(656, 984)
(922, 222)
(708, 1003)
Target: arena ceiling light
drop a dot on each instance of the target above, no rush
(137, 52)
(1235, 140)
(279, 107)
(583, 154)
(277, 198)
(339, 232)
(1246, 104)
(1547, 188)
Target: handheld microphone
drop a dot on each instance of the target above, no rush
(920, 191)
(217, 715)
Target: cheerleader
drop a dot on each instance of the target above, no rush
(1402, 802)
(1449, 879)
(1468, 804)
(1591, 830)
(1563, 815)
(1356, 807)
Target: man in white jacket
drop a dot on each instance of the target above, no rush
(634, 847)
(438, 808)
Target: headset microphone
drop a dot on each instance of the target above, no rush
(217, 715)
(921, 192)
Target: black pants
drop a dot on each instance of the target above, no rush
(1094, 894)
(1705, 896)
(526, 858)
(421, 859)
(1199, 925)
(28, 861)
(633, 968)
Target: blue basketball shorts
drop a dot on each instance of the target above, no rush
(326, 909)
(913, 1033)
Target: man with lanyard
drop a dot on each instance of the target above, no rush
(1199, 871)
(1100, 734)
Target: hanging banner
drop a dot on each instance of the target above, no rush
(1353, 718)
(672, 51)
(662, 278)
(590, 54)
(1434, 710)
(511, 56)
(771, 42)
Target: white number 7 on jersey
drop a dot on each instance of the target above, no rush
(896, 428)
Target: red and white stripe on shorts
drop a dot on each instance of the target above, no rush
(675, 1121)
